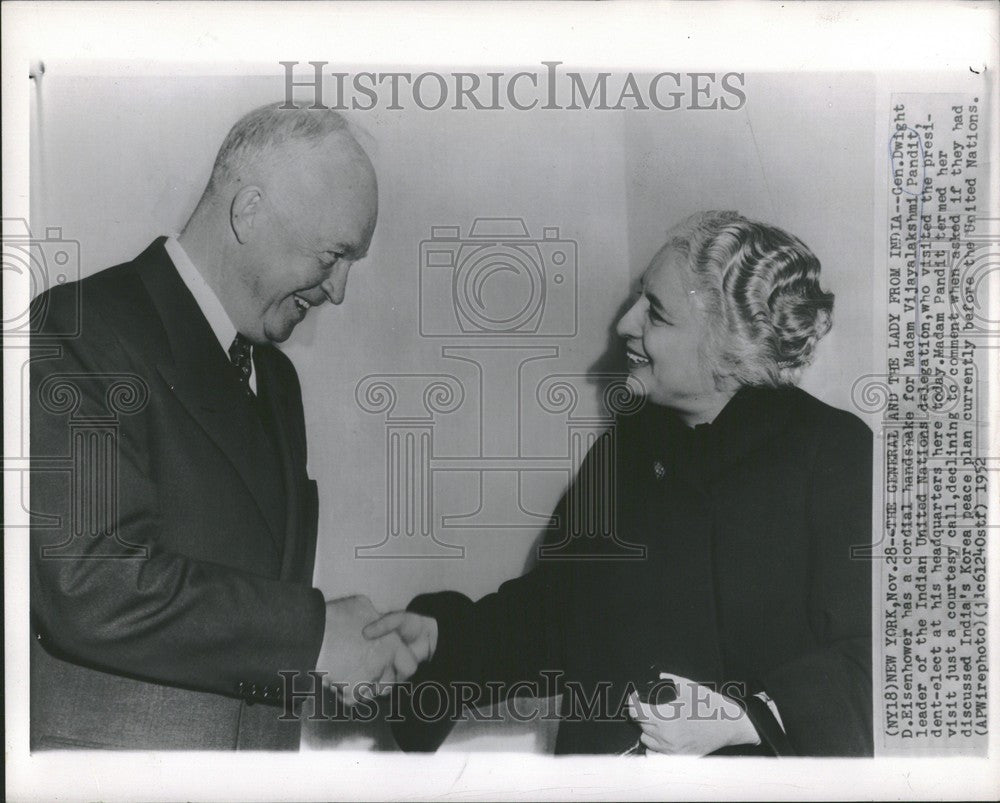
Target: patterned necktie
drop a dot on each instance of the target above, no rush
(241, 356)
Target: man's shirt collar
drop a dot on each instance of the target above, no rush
(205, 297)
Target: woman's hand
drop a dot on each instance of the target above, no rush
(419, 633)
(700, 721)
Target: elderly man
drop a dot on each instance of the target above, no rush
(172, 568)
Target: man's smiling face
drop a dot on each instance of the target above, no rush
(314, 217)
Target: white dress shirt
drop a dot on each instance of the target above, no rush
(207, 300)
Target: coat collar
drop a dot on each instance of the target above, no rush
(753, 417)
(200, 376)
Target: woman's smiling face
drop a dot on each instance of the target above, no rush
(665, 331)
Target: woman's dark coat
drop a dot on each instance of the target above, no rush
(755, 576)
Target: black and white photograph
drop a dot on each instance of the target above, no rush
(500, 400)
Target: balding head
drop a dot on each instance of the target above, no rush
(291, 203)
(265, 130)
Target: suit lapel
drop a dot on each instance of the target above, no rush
(290, 452)
(200, 375)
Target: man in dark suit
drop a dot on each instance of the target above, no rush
(171, 576)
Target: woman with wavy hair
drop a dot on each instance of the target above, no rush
(747, 615)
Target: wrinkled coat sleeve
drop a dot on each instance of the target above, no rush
(508, 637)
(824, 696)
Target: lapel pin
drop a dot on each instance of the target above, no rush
(659, 470)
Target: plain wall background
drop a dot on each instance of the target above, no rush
(118, 161)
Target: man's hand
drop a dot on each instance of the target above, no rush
(700, 721)
(419, 633)
(349, 658)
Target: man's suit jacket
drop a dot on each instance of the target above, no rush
(173, 537)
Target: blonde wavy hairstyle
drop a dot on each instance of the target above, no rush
(762, 285)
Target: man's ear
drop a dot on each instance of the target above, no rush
(243, 211)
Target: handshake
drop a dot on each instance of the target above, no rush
(363, 650)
